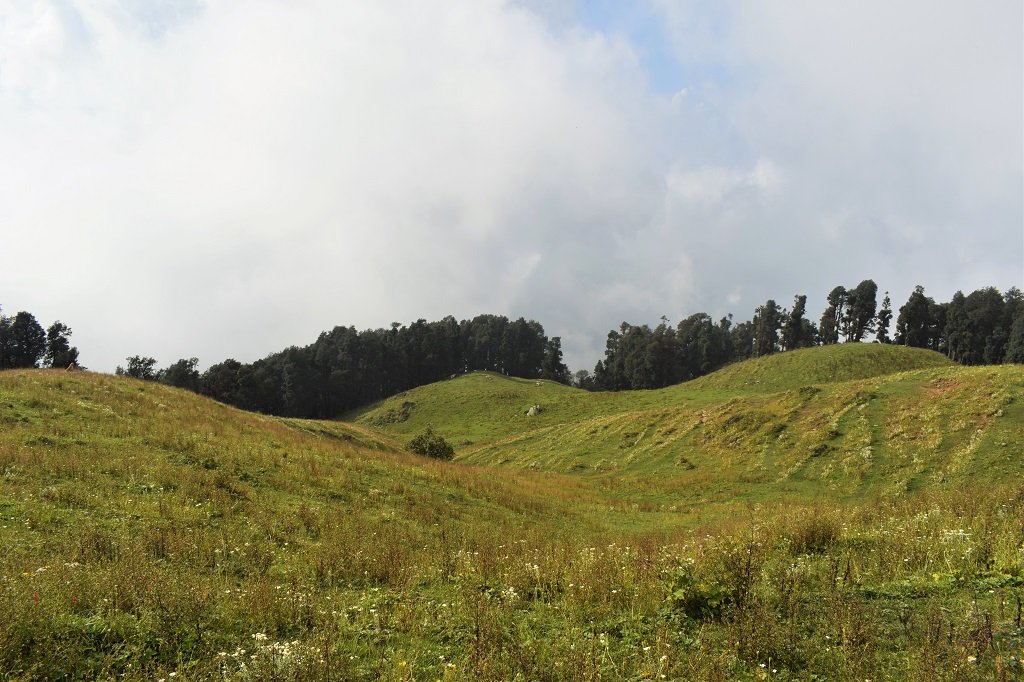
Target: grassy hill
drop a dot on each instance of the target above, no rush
(481, 406)
(140, 520)
(820, 365)
(845, 420)
(835, 514)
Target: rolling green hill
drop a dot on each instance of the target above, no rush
(845, 420)
(846, 513)
(139, 519)
(819, 365)
(482, 406)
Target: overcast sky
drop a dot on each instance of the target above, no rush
(227, 178)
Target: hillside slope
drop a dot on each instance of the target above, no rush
(847, 420)
(150, 518)
(481, 406)
(820, 365)
(476, 406)
(888, 435)
(83, 433)
(149, 533)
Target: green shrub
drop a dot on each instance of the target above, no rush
(700, 599)
(432, 445)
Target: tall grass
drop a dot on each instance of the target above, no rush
(148, 534)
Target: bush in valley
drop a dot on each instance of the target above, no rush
(432, 444)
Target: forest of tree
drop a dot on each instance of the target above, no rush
(984, 327)
(24, 343)
(346, 368)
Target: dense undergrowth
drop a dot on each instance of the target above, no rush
(151, 534)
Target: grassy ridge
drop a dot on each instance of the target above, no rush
(483, 406)
(887, 435)
(871, 528)
(821, 365)
(848, 421)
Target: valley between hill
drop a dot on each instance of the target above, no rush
(844, 512)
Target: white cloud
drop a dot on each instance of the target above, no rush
(268, 171)
(898, 129)
(715, 183)
(232, 178)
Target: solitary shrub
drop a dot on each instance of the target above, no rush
(432, 445)
(701, 598)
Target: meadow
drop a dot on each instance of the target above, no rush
(846, 513)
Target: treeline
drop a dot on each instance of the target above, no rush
(983, 327)
(24, 343)
(346, 368)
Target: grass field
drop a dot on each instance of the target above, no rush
(844, 513)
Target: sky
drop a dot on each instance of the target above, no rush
(227, 178)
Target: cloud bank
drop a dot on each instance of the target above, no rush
(226, 179)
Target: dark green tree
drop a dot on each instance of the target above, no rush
(1013, 320)
(664, 354)
(22, 341)
(767, 320)
(139, 367)
(609, 374)
(483, 337)
(1015, 342)
(521, 352)
(552, 366)
(915, 323)
(795, 327)
(705, 346)
(832, 317)
(860, 310)
(182, 374)
(59, 351)
(882, 321)
(1013, 301)
(583, 379)
(976, 329)
(220, 381)
(957, 328)
(742, 338)
(639, 365)
(5, 340)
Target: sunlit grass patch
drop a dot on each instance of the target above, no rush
(146, 531)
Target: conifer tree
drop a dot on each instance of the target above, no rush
(882, 321)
